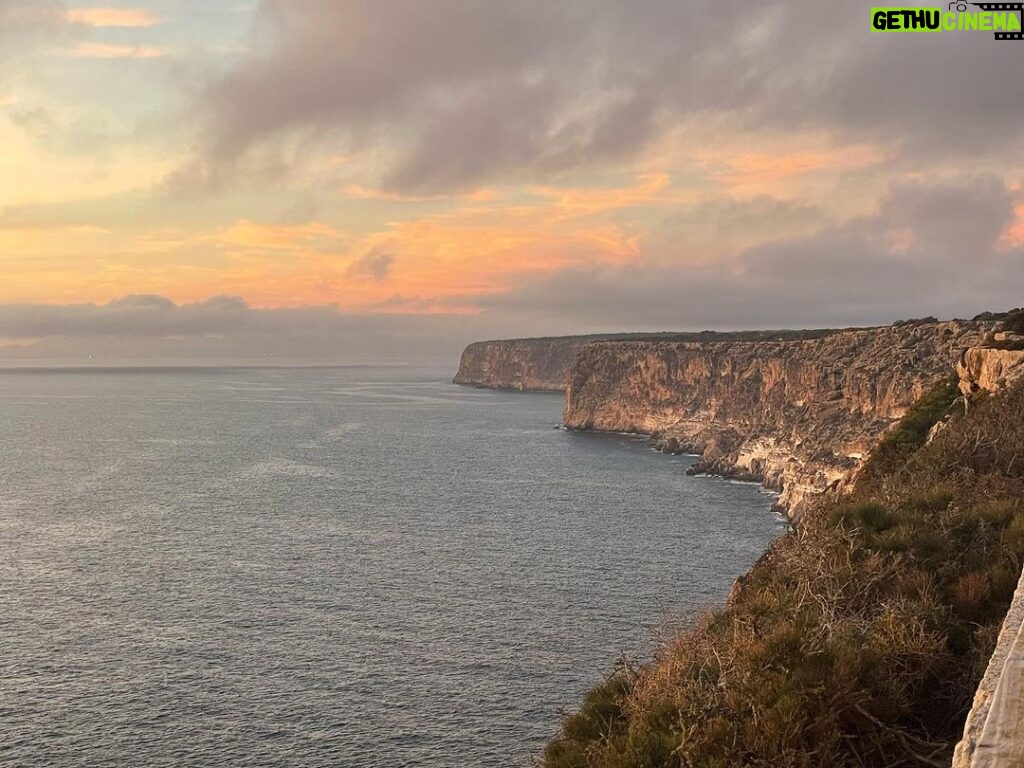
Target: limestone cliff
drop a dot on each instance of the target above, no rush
(541, 364)
(797, 413)
(544, 364)
(525, 364)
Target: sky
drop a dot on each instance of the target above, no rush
(356, 179)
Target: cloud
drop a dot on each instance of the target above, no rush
(24, 23)
(460, 91)
(295, 238)
(21, 16)
(220, 328)
(112, 17)
(929, 250)
(375, 265)
(144, 315)
(88, 50)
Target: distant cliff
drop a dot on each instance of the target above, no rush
(525, 364)
(545, 364)
(798, 414)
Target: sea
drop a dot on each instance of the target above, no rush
(330, 566)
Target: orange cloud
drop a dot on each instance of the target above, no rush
(763, 172)
(360, 192)
(451, 256)
(108, 51)
(468, 245)
(112, 17)
(1013, 237)
(290, 237)
(482, 246)
(575, 202)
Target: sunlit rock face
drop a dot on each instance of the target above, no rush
(990, 368)
(799, 415)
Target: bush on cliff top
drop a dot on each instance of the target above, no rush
(858, 639)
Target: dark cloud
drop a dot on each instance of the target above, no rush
(720, 221)
(463, 90)
(226, 328)
(145, 316)
(930, 250)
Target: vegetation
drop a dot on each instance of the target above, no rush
(859, 638)
(910, 433)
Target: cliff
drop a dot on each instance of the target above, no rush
(989, 368)
(524, 364)
(544, 364)
(799, 414)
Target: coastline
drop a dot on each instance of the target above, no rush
(756, 412)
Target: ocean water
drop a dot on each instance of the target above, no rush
(362, 566)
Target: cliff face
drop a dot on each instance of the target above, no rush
(797, 411)
(525, 364)
(545, 364)
(989, 368)
(799, 415)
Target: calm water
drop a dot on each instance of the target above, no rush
(311, 567)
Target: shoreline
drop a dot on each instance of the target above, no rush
(695, 470)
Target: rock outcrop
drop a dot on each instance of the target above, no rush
(990, 368)
(798, 414)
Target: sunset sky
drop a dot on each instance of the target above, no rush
(332, 178)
